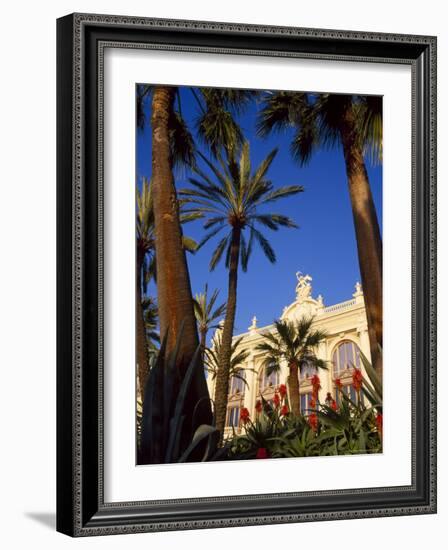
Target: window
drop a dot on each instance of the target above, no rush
(237, 385)
(305, 399)
(308, 371)
(269, 381)
(349, 391)
(345, 356)
(233, 417)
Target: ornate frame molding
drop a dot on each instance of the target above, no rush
(81, 42)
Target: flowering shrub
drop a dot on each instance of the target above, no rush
(328, 429)
(357, 379)
(315, 382)
(276, 399)
(282, 390)
(313, 422)
(244, 415)
(379, 423)
(262, 453)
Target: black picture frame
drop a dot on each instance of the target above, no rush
(81, 510)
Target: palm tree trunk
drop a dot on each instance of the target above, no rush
(141, 344)
(294, 388)
(175, 301)
(222, 378)
(203, 341)
(368, 237)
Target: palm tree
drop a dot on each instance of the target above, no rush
(355, 122)
(173, 282)
(146, 271)
(150, 316)
(237, 358)
(173, 145)
(295, 343)
(232, 199)
(206, 316)
(144, 264)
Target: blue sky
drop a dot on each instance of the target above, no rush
(324, 245)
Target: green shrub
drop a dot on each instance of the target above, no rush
(350, 428)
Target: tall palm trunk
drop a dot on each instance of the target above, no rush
(175, 301)
(141, 344)
(294, 388)
(203, 340)
(222, 378)
(368, 238)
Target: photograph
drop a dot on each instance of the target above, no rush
(258, 274)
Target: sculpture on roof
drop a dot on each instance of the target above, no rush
(253, 326)
(303, 288)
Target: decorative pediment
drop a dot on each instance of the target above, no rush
(305, 305)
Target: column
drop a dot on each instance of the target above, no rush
(284, 372)
(325, 375)
(251, 391)
(364, 343)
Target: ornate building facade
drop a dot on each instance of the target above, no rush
(345, 326)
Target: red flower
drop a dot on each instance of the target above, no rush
(282, 390)
(338, 383)
(245, 416)
(284, 410)
(258, 406)
(262, 453)
(312, 402)
(379, 423)
(276, 400)
(315, 381)
(357, 379)
(312, 419)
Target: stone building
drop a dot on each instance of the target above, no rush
(345, 325)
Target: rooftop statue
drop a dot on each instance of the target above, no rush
(303, 288)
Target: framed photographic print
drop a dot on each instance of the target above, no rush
(246, 274)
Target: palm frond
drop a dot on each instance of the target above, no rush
(235, 99)
(280, 111)
(237, 357)
(209, 235)
(306, 138)
(143, 93)
(183, 149)
(264, 167)
(293, 342)
(370, 127)
(218, 129)
(213, 221)
(264, 244)
(189, 244)
(205, 311)
(217, 254)
(230, 196)
(286, 331)
(281, 193)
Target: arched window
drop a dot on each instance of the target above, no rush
(345, 357)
